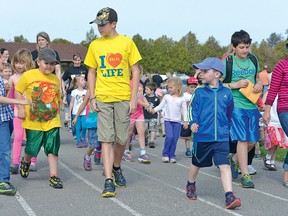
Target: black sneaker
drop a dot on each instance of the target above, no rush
(119, 179)
(7, 189)
(55, 182)
(151, 145)
(109, 189)
(232, 202)
(191, 191)
(24, 168)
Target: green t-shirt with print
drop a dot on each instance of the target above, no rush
(242, 69)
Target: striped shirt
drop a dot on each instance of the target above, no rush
(279, 86)
(6, 111)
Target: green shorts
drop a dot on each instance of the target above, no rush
(49, 139)
(113, 122)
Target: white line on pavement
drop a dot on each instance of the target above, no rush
(118, 202)
(24, 205)
(216, 177)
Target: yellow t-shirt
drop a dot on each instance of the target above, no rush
(44, 92)
(112, 59)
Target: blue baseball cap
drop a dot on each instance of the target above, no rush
(210, 63)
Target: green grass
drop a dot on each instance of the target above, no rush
(280, 154)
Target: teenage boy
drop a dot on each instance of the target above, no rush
(6, 114)
(151, 119)
(245, 119)
(113, 57)
(42, 120)
(212, 107)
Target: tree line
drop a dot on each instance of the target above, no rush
(168, 55)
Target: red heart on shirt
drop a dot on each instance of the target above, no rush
(114, 59)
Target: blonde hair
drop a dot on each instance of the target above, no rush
(7, 65)
(23, 55)
(177, 83)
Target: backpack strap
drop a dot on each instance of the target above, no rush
(254, 61)
(229, 64)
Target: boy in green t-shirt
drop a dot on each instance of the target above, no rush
(42, 120)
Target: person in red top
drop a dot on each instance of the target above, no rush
(279, 86)
(263, 75)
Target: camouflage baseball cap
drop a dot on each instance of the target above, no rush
(105, 16)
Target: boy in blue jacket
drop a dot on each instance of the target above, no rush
(211, 110)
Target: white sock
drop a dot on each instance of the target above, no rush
(87, 157)
(142, 151)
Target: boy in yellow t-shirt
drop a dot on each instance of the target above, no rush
(42, 120)
(112, 56)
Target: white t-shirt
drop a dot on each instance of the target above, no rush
(78, 99)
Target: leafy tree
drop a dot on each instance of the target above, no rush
(20, 39)
(90, 36)
(61, 41)
(211, 48)
(274, 39)
(2, 40)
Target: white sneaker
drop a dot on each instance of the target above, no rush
(251, 170)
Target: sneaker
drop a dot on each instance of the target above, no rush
(33, 168)
(119, 179)
(246, 181)
(7, 189)
(79, 144)
(188, 153)
(14, 168)
(234, 166)
(87, 164)
(55, 182)
(251, 170)
(84, 143)
(172, 160)
(97, 158)
(151, 145)
(164, 135)
(144, 159)
(24, 168)
(191, 191)
(128, 157)
(109, 189)
(165, 159)
(232, 202)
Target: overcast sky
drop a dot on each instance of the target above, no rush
(149, 18)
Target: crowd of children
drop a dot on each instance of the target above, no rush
(210, 114)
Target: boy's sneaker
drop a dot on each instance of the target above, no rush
(165, 159)
(234, 166)
(251, 170)
(55, 182)
(172, 160)
(87, 164)
(151, 145)
(232, 202)
(128, 157)
(191, 191)
(79, 144)
(119, 179)
(109, 189)
(32, 167)
(24, 168)
(97, 158)
(84, 143)
(14, 168)
(144, 159)
(188, 153)
(7, 189)
(246, 181)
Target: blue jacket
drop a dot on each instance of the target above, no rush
(212, 111)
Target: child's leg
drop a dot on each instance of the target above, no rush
(78, 129)
(53, 165)
(193, 172)
(17, 143)
(176, 131)
(5, 151)
(168, 139)
(187, 143)
(107, 157)
(141, 135)
(242, 155)
(83, 127)
(226, 177)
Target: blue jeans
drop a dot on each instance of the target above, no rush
(283, 117)
(5, 152)
(172, 130)
(80, 128)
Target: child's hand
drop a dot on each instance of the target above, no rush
(194, 128)
(93, 105)
(22, 113)
(185, 125)
(74, 121)
(25, 102)
(62, 106)
(152, 111)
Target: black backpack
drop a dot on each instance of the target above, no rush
(229, 65)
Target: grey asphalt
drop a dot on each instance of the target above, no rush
(155, 189)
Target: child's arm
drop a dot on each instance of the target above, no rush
(91, 77)
(5, 100)
(135, 84)
(20, 106)
(161, 105)
(81, 108)
(71, 105)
